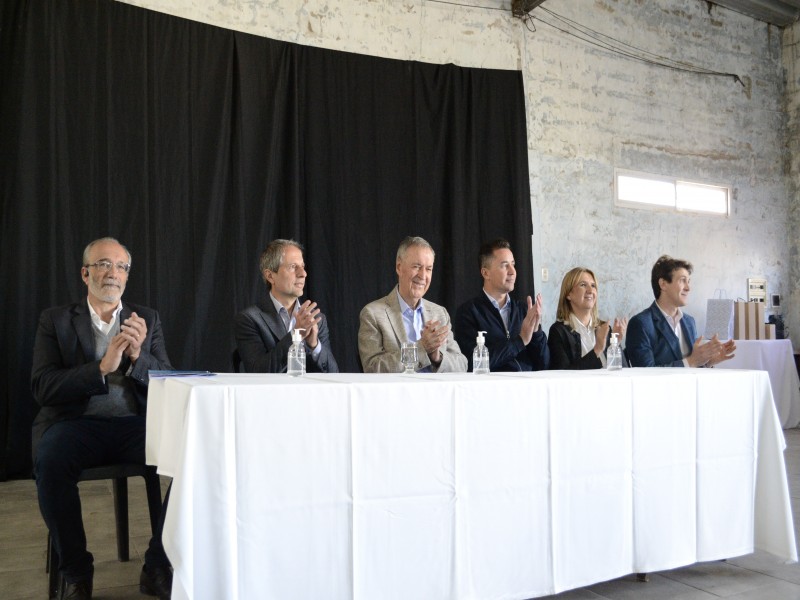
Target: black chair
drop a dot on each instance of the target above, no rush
(119, 475)
(236, 362)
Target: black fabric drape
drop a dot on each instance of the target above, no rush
(195, 146)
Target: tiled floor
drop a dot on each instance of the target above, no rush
(23, 538)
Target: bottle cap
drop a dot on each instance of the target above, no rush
(296, 337)
(480, 339)
(614, 339)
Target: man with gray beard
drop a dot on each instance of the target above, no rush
(90, 376)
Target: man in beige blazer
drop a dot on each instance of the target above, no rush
(402, 316)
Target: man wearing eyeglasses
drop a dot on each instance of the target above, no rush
(90, 376)
(264, 330)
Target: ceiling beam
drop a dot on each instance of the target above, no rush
(776, 12)
(520, 8)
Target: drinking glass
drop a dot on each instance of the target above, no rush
(408, 356)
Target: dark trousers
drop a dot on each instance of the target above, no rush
(66, 449)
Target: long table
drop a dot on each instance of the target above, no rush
(356, 486)
(776, 357)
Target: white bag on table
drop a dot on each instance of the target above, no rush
(719, 316)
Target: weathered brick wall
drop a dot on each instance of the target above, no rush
(590, 110)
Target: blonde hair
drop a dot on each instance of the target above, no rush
(570, 280)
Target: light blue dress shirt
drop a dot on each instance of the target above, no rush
(413, 321)
(290, 322)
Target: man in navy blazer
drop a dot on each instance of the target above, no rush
(90, 375)
(662, 335)
(264, 331)
(514, 336)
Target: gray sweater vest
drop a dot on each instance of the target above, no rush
(120, 400)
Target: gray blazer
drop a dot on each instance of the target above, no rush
(381, 332)
(263, 342)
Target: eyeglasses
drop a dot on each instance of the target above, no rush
(105, 266)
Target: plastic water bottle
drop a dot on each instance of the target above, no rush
(296, 362)
(480, 356)
(614, 354)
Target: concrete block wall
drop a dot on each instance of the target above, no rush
(591, 111)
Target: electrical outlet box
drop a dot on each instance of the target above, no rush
(756, 289)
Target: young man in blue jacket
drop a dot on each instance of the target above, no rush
(663, 335)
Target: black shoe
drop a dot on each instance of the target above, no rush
(156, 581)
(81, 590)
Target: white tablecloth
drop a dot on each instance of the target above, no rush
(776, 357)
(435, 486)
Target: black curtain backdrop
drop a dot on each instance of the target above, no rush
(195, 146)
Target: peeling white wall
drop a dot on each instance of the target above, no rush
(791, 159)
(590, 111)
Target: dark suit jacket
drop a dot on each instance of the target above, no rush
(263, 342)
(65, 372)
(506, 352)
(565, 349)
(651, 342)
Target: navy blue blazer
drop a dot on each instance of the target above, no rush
(263, 342)
(507, 352)
(651, 342)
(65, 373)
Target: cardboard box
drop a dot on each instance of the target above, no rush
(739, 320)
(761, 326)
(750, 323)
(744, 323)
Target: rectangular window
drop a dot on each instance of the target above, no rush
(643, 190)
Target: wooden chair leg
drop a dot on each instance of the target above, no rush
(120, 486)
(51, 568)
(152, 484)
(120, 498)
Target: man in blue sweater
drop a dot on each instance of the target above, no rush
(514, 336)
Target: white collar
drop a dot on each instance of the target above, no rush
(98, 322)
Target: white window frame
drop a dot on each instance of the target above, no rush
(674, 182)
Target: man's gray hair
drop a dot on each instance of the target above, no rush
(412, 241)
(112, 240)
(272, 256)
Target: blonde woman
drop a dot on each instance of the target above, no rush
(578, 338)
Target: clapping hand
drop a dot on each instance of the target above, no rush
(619, 327)
(710, 353)
(433, 337)
(307, 318)
(532, 320)
(134, 330)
